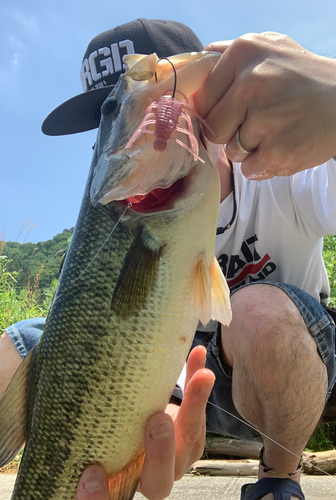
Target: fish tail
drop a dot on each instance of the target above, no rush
(123, 486)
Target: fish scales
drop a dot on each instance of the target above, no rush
(102, 379)
(116, 336)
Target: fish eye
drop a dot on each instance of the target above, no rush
(109, 107)
(142, 76)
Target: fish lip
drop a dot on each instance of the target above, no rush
(98, 181)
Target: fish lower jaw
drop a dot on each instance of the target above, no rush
(157, 200)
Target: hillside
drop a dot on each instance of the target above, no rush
(41, 260)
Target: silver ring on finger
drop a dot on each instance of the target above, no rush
(239, 144)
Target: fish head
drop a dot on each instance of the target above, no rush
(126, 169)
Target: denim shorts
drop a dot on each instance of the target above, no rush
(319, 324)
(26, 334)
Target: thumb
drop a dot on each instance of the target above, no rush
(93, 484)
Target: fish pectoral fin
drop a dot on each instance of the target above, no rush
(14, 413)
(220, 295)
(124, 484)
(201, 290)
(137, 278)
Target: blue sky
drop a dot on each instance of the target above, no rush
(42, 43)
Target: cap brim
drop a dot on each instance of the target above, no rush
(78, 114)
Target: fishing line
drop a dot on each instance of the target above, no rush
(267, 437)
(95, 256)
(108, 237)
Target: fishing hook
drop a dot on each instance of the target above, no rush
(175, 74)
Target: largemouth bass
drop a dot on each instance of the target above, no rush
(139, 274)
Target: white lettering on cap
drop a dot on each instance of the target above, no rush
(91, 73)
(128, 44)
(106, 63)
(95, 76)
(85, 75)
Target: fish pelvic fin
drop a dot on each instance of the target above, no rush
(210, 293)
(220, 295)
(15, 414)
(123, 486)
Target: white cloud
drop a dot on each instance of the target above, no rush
(25, 20)
(19, 29)
(19, 50)
(13, 60)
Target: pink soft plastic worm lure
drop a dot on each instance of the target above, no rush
(168, 115)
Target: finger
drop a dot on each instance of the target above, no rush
(256, 167)
(218, 46)
(223, 102)
(215, 86)
(237, 148)
(157, 477)
(93, 484)
(190, 421)
(196, 361)
(236, 57)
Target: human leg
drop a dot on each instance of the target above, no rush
(15, 344)
(279, 382)
(9, 361)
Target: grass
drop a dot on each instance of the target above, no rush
(13, 466)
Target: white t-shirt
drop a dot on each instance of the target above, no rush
(278, 230)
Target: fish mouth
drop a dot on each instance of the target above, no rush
(157, 200)
(161, 199)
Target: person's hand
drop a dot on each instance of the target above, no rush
(173, 440)
(281, 98)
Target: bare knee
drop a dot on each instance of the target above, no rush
(278, 375)
(267, 329)
(10, 360)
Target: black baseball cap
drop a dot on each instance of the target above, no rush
(102, 66)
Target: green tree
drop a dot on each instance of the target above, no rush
(40, 261)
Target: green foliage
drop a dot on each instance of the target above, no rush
(16, 306)
(324, 438)
(40, 261)
(28, 277)
(329, 257)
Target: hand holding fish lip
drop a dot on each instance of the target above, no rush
(282, 97)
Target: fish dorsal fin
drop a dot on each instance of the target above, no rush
(210, 292)
(137, 277)
(220, 295)
(14, 412)
(124, 484)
